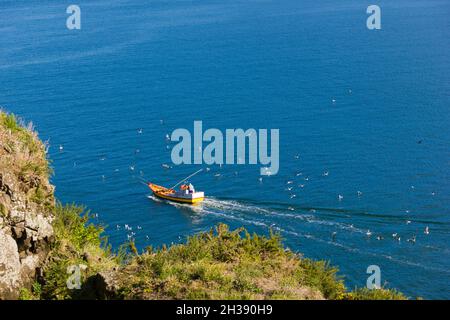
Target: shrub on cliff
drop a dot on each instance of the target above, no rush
(228, 265)
(77, 243)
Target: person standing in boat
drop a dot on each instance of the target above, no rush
(191, 188)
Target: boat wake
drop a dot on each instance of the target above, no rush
(306, 223)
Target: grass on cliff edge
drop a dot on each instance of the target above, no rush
(219, 264)
(24, 156)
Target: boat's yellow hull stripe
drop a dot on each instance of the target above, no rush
(195, 200)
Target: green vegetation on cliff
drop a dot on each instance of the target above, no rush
(218, 264)
(228, 265)
(24, 156)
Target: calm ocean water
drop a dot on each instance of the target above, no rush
(161, 65)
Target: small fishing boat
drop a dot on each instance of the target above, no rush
(185, 194)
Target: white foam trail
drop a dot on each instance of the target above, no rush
(235, 206)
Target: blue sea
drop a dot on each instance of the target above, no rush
(363, 118)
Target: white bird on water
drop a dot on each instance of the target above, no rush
(368, 233)
(359, 193)
(395, 235)
(340, 197)
(412, 239)
(427, 230)
(61, 148)
(333, 236)
(325, 173)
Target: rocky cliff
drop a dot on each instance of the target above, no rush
(26, 199)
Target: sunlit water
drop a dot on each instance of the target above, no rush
(370, 108)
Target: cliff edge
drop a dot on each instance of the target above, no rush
(26, 201)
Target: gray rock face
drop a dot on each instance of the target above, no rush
(10, 266)
(106, 285)
(25, 236)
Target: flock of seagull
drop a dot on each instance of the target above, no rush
(396, 236)
(289, 187)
